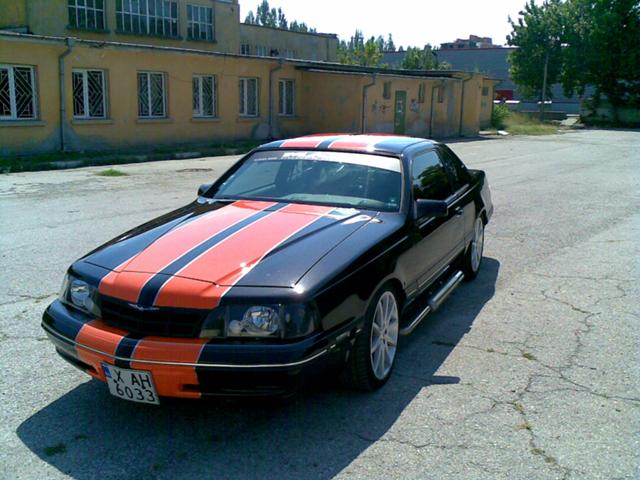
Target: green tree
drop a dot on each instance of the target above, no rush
(537, 62)
(275, 18)
(423, 59)
(389, 45)
(603, 50)
(359, 52)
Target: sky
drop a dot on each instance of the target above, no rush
(412, 22)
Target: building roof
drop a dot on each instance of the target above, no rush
(371, 143)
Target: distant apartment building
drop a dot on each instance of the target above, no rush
(80, 75)
(472, 42)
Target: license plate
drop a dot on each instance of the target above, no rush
(132, 385)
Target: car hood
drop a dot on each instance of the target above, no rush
(244, 243)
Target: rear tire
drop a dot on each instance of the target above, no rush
(373, 355)
(473, 258)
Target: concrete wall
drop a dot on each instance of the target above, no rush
(13, 13)
(325, 101)
(308, 46)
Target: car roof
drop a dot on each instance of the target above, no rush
(371, 143)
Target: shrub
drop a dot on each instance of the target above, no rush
(499, 117)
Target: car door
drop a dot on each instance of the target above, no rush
(461, 185)
(437, 241)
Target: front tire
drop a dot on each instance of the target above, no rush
(373, 354)
(473, 258)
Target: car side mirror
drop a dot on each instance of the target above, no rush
(204, 189)
(431, 208)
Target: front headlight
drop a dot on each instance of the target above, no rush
(260, 321)
(79, 294)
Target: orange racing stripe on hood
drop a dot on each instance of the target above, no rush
(128, 280)
(226, 263)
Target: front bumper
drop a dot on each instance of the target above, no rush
(193, 368)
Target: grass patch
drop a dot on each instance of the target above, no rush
(529, 356)
(112, 172)
(525, 426)
(57, 449)
(518, 407)
(519, 124)
(59, 160)
(542, 453)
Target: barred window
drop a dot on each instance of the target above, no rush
(87, 14)
(17, 93)
(249, 97)
(89, 94)
(204, 96)
(147, 17)
(152, 101)
(287, 97)
(200, 20)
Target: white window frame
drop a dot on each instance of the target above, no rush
(85, 87)
(288, 53)
(13, 116)
(282, 106)
(120, 17)
(72, 5)
(246, 81)
(199, 113)
(150, 116)
(203, 24)
(245, 49)
(261, 51)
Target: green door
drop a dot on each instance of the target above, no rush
(401, 111)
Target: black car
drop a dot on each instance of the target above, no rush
(308, 253)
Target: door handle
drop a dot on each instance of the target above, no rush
(458, 211)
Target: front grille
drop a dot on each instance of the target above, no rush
(163, 322)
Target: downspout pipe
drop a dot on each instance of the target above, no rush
(464, 83)
(439, 84)
(272, 97)
(63, 95)
(364, 102)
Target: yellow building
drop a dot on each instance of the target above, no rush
(173, 73)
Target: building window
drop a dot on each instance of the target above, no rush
(89, 94)
(249, 97)
(287, 97)
(152, 99)
(147, 17)
(17, 93)
(87, 14)
(204, 96)
(261, 51)
(485, 91)
(386, 90)
(200, 20)
(245, 49)
(289, 54)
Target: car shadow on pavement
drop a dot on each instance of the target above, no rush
(89, 434)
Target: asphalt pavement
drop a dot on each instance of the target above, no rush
(532, 371)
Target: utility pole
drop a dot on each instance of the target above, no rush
(544, 86)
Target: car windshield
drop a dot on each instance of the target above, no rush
(352, 180)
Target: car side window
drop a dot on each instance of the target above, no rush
(430, 180)
(456, 170)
